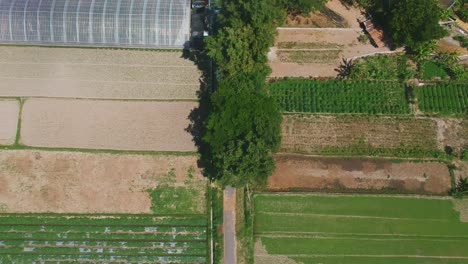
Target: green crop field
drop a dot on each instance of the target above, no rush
(306, 96)
(445, 99)
(40, 238)
(358, 229)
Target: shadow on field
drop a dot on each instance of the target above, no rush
(198, 116)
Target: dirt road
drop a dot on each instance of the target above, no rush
(229, 226)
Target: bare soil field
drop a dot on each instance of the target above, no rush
(96, 73)
(317, 52)
(309, 173)
(115, 125)
(72, 182)
(333, 15)
(453, 132)
(312, 134)
(9, 115)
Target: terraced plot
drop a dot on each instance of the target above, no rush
(358, 229)
(102, 238)
(359, 135)
(96, 73)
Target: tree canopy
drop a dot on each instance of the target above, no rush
(243, 130)
(413, 22)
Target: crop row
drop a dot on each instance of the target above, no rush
(75, 238)
(78, 258)
(297, 95)
(103, 229)
(443, 98)
(105, 220)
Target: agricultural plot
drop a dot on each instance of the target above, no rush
(76, 182)
(359, 135)
(444, 99)
(306, 96)
(106, 124)
(96, 73)
(293, 228)
(297, 172)
(316, 52)
(9, 115)
(102, 238)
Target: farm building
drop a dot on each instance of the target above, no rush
(101, 23)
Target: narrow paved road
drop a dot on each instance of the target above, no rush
(229, 226)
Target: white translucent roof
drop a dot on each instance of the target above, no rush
(108, 23)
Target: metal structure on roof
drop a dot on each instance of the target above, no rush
(99, 23)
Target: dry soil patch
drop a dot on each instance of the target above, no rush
(309, 173)
(9, 115)
(72, 182)
(96, 73)
(314, 134)
(317, 62)
(96, 124)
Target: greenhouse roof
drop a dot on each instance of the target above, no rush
(101, 23)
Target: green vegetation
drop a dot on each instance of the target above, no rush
(216, 201)
(297, 95)
(443, 99)
(168, 198)
(243, 125)
(396, 67)
(461, 9)
(463, 41)
(29, 238)
(312, 228)
(242, 131)
(302, 6)
(461, 188)
(409, 23)
(431, 70)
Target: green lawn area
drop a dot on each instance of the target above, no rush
(358, 229)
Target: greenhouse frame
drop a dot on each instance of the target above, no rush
(156, 24)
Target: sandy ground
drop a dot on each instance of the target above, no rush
(349, 13)
(66, 182)
(302, 172)
(9, 115)
(333, 15)
(453, 132)
(347, 38)
(96, 124)
(96, 73)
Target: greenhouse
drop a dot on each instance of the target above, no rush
(101, 23)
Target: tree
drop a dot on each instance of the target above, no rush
(461, 188)
(243, 130)
(413, 22)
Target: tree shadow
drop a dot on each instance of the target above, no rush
(198, 116)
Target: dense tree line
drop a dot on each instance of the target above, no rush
(410, 23)
(243, 129)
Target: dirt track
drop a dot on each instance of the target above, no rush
(72, 182)
(9, 114)
(96, 73)
(95, 124)
(308, 173)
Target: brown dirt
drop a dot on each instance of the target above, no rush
(312, 134)
(96, 124)
(302, 172)
(96, 73)
(333, 15)
(9, 115)
(71, 182)
(346, 38)
(454, 132)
